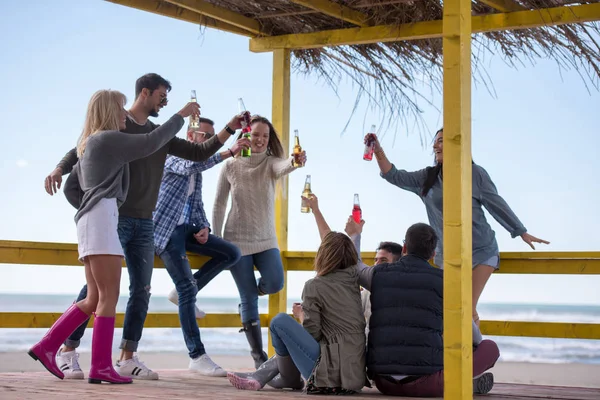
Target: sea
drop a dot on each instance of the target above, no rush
(229, 341)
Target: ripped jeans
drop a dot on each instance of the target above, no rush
(223, 255)
(137, 239)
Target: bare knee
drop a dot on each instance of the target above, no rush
(109, 296)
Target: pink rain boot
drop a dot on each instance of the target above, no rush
(102, 369)
(45, 350)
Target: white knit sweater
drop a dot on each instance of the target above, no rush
(250, 224)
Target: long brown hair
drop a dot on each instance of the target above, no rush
(275, 147)
(431, 173)
(336, 252)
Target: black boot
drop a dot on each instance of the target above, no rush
(257, 379)
(254, 337)
(289, 377)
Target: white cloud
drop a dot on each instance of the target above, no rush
(22, 163)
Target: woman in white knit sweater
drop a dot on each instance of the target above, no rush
(250, 224)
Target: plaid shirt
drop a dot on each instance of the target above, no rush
(173, 200)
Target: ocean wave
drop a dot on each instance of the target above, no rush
(228, 341)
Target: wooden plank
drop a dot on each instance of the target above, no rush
(281, 123)
(168, 10)
(522, 392)
(153, 320)
(429, 29)
(65, 254)
(504, 5)
(171, 320)
(541, 329)
(336, 10)
(457, 204)
(221, 14)
(184, 385)
(563, 263)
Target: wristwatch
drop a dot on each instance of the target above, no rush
(228, 129)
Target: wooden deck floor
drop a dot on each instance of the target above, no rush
(184, 385)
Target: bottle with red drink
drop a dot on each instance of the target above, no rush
(245, 126)
(370, 145)
(356, 211)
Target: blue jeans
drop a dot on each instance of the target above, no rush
(223, 254)
(137, 238)
(289, 338)
(270, 267)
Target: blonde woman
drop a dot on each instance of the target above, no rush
(104, 154)
(328, 349)
(251, 222)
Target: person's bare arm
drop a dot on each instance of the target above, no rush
(313, 203)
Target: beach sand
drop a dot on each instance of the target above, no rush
(575, 375)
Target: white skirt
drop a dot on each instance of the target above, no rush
(97, 230)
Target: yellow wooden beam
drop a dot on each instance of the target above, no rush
(220, 14)
(336, 10)
(153, 320)
(546, 263)
(60, 254)
(171, 320)
(171, 11)
(504, 5)
(549, 266)
(281, 122)
(558, 330)
(304, 260)
(542, 262)
(457, 204)
(429, 29)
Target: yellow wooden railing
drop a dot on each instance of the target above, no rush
(63, 254)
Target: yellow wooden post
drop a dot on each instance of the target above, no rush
(458, 351)
(281, 122)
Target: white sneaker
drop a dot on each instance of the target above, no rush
(68, 362)
(135, 369)
(205, 366)
(174, 298)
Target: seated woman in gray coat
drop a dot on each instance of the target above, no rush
(328, 349)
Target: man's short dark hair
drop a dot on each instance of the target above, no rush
(151, 82)
(421, 240)
(391, 247)
(203, 120)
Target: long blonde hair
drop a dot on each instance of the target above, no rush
(103, 114)
(336, 252)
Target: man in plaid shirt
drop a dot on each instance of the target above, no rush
(180, 225)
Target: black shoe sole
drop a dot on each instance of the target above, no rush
(98, 381)
(483, 384)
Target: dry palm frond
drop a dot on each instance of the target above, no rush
(388, 74)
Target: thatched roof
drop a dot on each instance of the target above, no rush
(387, 72)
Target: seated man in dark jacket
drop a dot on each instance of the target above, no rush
(405, 354)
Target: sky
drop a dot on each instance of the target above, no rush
(536, 134)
